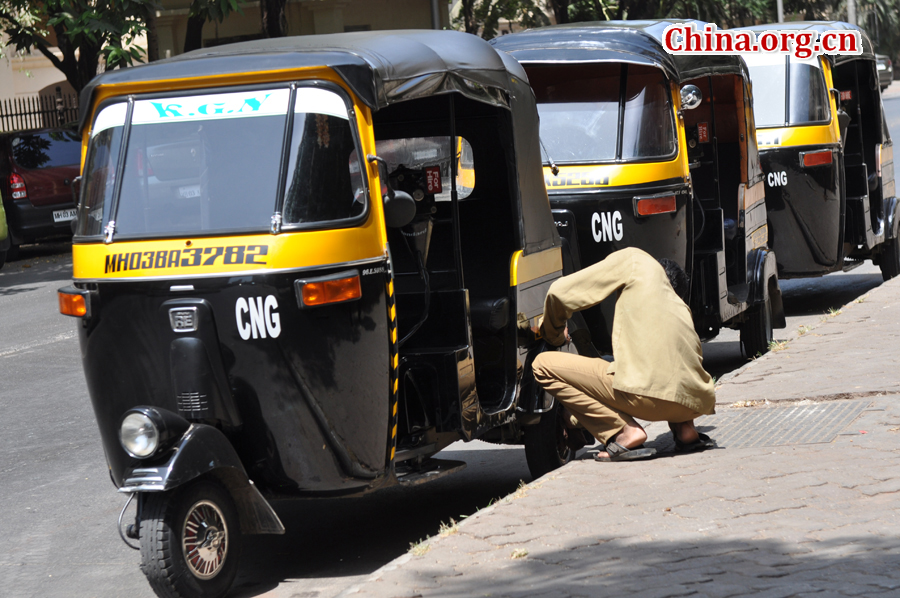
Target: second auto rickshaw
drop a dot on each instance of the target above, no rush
(302, 267)
(645, 149)
(828, 159)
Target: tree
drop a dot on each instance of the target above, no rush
(86, 32)
(202, 11)
(274, 21)
(482, 17)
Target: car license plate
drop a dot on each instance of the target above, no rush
(63, 215)
(189, 191)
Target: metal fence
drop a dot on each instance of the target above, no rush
(38, 112)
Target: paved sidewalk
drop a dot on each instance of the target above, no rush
(804, 503)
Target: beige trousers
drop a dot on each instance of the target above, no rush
(584, 387)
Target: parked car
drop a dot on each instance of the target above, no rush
(885, 70)
(36, 173)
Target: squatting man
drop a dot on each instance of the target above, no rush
(658, 370)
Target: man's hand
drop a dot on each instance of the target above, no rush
(566, 333)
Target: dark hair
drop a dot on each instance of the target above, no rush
(677, 278)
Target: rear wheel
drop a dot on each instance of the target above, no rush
(190, 541)
(546, 448)
(890, 259)
(756, 332)
(2, 258)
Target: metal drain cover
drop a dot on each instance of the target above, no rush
(774, 426)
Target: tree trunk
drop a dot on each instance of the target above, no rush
(560, 10)
(193, 37)
(152, 37)
(274, 21)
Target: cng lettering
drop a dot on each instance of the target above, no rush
(777, 179)
(257, 317)
(607, 227)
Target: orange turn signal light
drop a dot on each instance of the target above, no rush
(337, 290)
(817, 158)
(72, 304)
(656, 205)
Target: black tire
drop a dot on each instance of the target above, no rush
(890, 260)
(545, 443)
(2, 258)
(165, 517)
(12, 253)
(756, 332)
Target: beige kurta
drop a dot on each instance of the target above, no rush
(657, 351)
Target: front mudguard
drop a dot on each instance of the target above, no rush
(205, 450)
(763, 270)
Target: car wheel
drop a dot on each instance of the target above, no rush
(890, 259)
(190, 541)
(545, 443)
(3, 255)
(756, 332)
(12, 253)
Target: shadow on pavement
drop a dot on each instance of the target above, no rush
(598, 566)
(43, 262)
(342, 537)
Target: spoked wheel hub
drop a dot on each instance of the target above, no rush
(204, 539)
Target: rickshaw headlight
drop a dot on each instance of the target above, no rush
(139, 435)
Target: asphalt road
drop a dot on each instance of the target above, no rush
(58, 536)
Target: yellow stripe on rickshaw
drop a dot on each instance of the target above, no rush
(797, 136)
(525, 268)
(599, 176)
(186, 257)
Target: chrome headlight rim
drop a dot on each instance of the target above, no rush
(169, 426)
(147, 419)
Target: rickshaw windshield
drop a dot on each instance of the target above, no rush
(579, 106)
(205, 164)
(800, 98)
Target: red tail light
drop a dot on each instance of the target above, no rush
(655, 205)
(816, 158)
(17, 187)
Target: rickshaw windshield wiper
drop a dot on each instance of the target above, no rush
(553, 167)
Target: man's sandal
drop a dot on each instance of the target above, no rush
(617, 452)
(703, 442)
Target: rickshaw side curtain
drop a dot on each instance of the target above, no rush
(537, 226)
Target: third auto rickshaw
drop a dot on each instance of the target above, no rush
(828, 158)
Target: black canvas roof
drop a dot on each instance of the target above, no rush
(635, 42)
(381, 67)
(868, 53)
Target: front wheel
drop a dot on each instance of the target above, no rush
(190, 541)
(756, 332)
(890, 260)
(546, 448)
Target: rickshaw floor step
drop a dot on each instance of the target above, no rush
(428, 470)
(851, 264)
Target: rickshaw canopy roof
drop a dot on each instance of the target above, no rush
(634, 42)
(381, 67)
(384, 68)
(868, 52)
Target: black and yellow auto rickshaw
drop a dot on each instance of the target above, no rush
(645, 149)
(827, 156)
(284, 292)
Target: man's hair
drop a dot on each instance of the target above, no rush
(677, 278)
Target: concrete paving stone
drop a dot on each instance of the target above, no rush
(889, 486)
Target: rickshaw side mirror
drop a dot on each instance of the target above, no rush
(691, 97)
(399, 206)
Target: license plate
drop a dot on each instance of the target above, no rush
(189, 192)
(63, 215)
